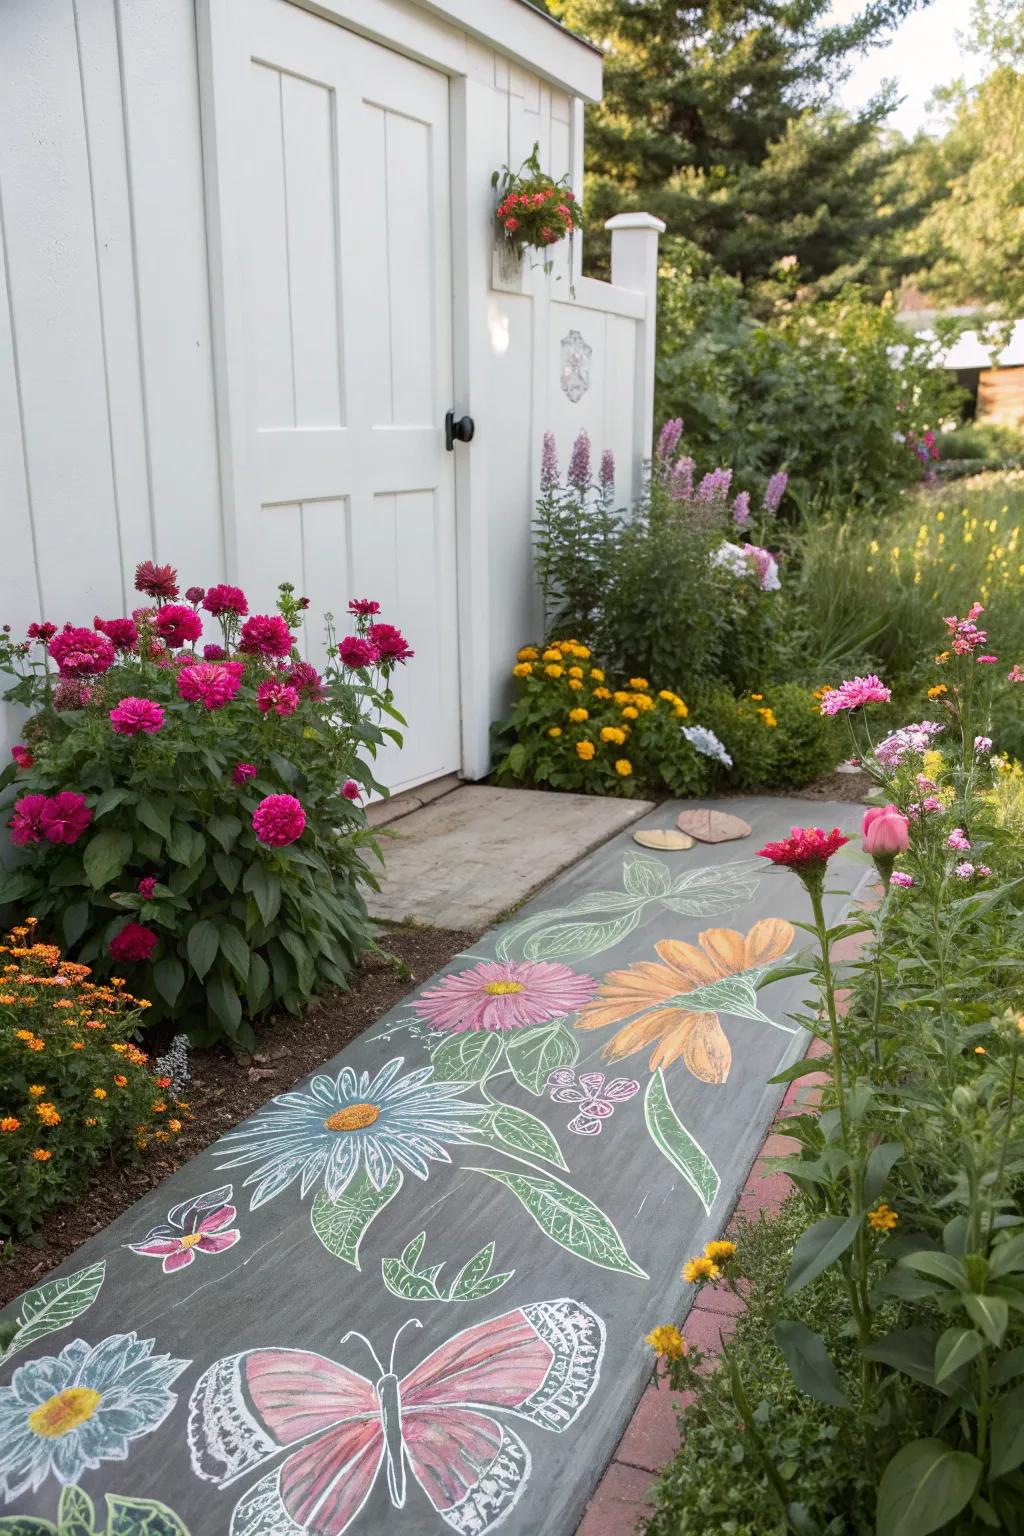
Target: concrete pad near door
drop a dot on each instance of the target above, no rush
(479, 851)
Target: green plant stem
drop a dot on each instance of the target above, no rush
(828, 988)
(997, 1187)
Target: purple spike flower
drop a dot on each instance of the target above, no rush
(741, 509)
(715, 485)
(606, 475)
(579, 463)
(668, 438)
(775, 490)
(681, 481)
(549, 463)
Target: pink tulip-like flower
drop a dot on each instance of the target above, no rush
(280, 697)
(202, 1225)
(265, 634)
(64, 817)
(350, 789)
(498, 995)
(279, 820)
(131, 943)
(595, 1097)
(885, 831)
(241, 773)
(210, 684)
(81, 652)
(855, 693)
(134, 716)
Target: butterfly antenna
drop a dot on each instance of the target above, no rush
(412, 1322)
(352, 1334)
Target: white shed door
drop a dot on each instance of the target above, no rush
(333, 200)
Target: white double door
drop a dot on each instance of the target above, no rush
(333, 231)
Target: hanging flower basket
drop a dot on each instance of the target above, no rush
(532, 210)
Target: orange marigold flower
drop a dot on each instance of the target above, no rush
(163, 1082)
(91, 1120)
(78, 1045)
(174, 1125)
(37, 1045)
(99, 1093)
(48, 1114)
(158, 1106)
(10, 1123)
(41, 1155)
(37, 1090)
(23, 1034)
(8, 998)
(63, 1002)
(120, 1081)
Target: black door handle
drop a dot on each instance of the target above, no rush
(457, 431)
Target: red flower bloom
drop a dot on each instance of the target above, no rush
(806, 848)
(133, 715)
(305, 677)
(266, 635)
(357, 652)
(123, 633)
(350, 789)
(81, 652)
(210, 685)
(224, 599)
(390, 642)
(44, 633)
(147, 885)
(363, 607)
(242, 772)
(195, 595)
(278, 820)
(132, 942)
(22, 756)
(214, 653)
(156, 580)
(27, 825)
(277, 696)
(177, 624)
(64, 817)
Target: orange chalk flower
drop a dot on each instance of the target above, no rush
(649, 1001)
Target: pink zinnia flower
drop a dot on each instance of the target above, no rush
(225, 599)
(277, 696)
(132, 942)
(885, 830)
(307, 680)
(146, 887)
(357, 652)
(195, 595)
(177, 624)
(902, 880)
(44, 633)
(243, 772)
(806, 848)
(854, 693)
(182, 1236)
(350, 789)
(64, 817)
(211, 685)
(279, 820)
(22, 756)
(363, 607)
(156, 580)
(133, 715)
(214, 653)
(81, 652)
(389, 642)
(266, 634)
(497, 995)
(122, 633)
(26, 824)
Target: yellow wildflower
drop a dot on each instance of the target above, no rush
(555, 731)
(937, 691)
(99, 1093)
(620, 696)
(527, 653)
(577, 716)
(681, 709)
(720, 1250)
(48, 1114)
(575, 684)
(768, 718)
(597, 674)
(623, 767)
(522, 669)
(553, 670)
(639, 682)
(552, 655)
(614, 734)
(586, 750)
(575, 671)
(37, 1090)
(882, 1218)
(667, 1341)
(630, 713)
(697, 1270)
(602, 693)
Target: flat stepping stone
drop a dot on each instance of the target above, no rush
(709, 826)
(664, 839)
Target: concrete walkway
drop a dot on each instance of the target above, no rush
(409, 1297)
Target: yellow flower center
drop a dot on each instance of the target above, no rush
(190, 1239)
(63, 1412)
(503, 988)
(354, 1117)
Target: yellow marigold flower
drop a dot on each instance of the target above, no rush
(614, 734)
(527, 653)
(48, 1114)
(99, 1093)
(579, 715)
(158, 1106)
(602, 693)
(552, 655)
(667, 1341)
(757, 697)
(667, 695)
(681, 709)
(630, 712)
(117, 981)
(575, 684)
(720, 1250)
(597, 674)
(91, 1120)
(937, 691)
(140, 1002)
(555, 730)
(522, 669)
(37, 1090)
(23, 1034)
(7, 997)
(41, 1155)
(642, 702)
(586, 750)
(697, 1270)
(10, 1123)
(120, 1048)
(768, 718)
(575, 671)
(882, 1218)
(639, 682)
(553, 670)
(623, 767)
(120, 1081)
(620, 696)
(583, 652)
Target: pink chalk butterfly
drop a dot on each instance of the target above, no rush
(540, 1363)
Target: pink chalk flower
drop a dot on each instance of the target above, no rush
(855, 693)
(201, 1225)
(134, 715)
(497, 995)
(279, 820)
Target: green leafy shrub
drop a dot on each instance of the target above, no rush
(777, 739)
(74, 1089)
(212, 803)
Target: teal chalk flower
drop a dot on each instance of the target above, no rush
(61, 1415)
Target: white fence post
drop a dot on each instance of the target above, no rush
(635, 266)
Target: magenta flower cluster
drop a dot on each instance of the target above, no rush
(278, 820)
(60, 818)
(854, 694)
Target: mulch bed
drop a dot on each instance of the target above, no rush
(224, 1089)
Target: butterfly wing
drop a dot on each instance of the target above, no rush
(540, 1362)
(471, 1468)
(248, 1407)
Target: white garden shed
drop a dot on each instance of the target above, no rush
(247, 269)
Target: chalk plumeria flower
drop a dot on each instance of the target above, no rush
(200, 1225)
(595, 1097)
(504, 994)
(854, 694)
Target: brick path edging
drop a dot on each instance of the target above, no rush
(651, 1438)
